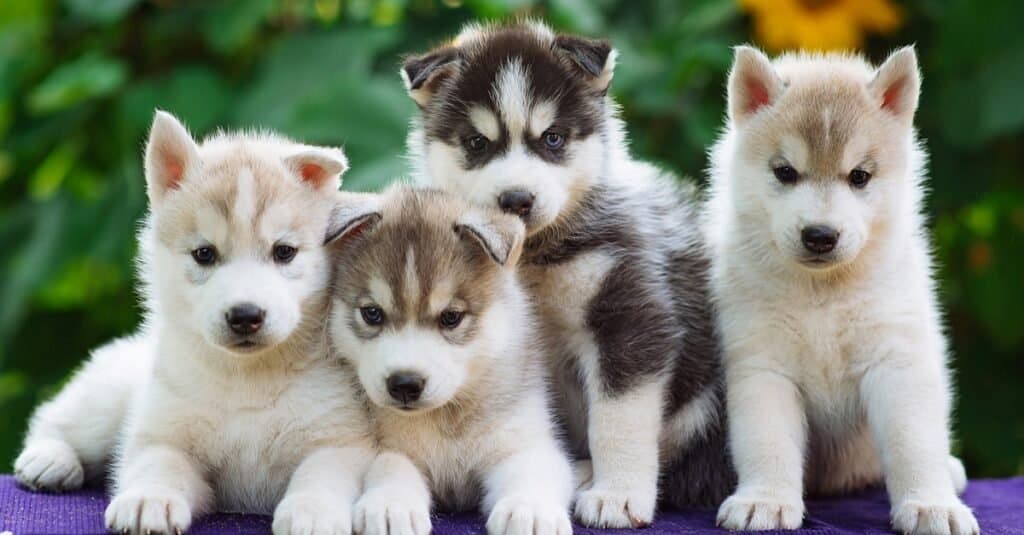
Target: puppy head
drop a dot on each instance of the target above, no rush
(824, 150)
(420, 299)
(238, 224)
(511, 117)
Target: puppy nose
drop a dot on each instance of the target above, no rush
(405, 387)
(246, 318)
(516, 202)
(819, 239)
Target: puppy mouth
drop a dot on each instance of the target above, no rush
(819, 262)
(246, 345)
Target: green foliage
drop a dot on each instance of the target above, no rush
(79, 80)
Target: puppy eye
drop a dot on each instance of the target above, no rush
(859, 178)
(786, 174)
(476, 143)
(284, 254)
(205, 256)
(372, 314)
(553, 140)
(450, 319)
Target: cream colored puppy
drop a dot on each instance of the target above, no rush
(835, 357)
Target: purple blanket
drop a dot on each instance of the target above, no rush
(999, 505)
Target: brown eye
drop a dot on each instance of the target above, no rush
(859, 178)
(476, 143)
(284, 254)
(205, 256)
(450, 319)
(372, 314)
(786, 174)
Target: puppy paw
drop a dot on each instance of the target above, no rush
(312, 514)
(386, 513)
(756, 510)
(528, 516)
(149, 511)
(959, 475)
(601, 508)
(50, 465)
(941, 517)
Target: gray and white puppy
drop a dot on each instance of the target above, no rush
(428, 309)
(518, 117)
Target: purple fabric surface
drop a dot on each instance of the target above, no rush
(999, 505)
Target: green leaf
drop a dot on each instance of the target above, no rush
(90, 76)
(100, 11)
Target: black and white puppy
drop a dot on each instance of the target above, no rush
(519, 117)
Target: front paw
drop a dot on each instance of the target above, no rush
(756, 510)
(939, 517)
(312, 514)
(49, 465)
(149, 510)
(618, 508)
(528, 516)
(390, 513)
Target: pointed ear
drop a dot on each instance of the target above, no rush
(424, 74)
(170, 154)
(352, 215)
(897, 84)
(500, 235)
(320, 167)
(594, 59)
(753, 84)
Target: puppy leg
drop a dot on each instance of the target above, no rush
(396, 499)
(159, 490)
(906, 407)
(529, 493)
(623, 432)
(767, 432)
(320, 494)
(72, 436)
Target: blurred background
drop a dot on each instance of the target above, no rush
(79, 80)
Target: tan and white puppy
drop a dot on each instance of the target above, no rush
(428, 309)
(835, 357)
(228, 398)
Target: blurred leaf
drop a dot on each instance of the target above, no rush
(101, 11)
(90, 76)
(49, 176)
(231, 24)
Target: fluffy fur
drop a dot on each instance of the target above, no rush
(519, 117)
(835, 356)
(241, 413)
(429, 295)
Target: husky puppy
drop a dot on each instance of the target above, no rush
(428, 309)
(237, 404)
(519, 118)
(835, 356)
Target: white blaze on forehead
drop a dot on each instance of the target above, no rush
(380, 293)
(245, 198)
(485, 122)
(512, 90)
(411, 288)
(541, 117)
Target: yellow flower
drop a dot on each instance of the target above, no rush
(820, 24)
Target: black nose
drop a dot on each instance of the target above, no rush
(246, 318)
(405, 387)
(516, 202)
(819, 239)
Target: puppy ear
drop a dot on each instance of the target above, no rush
(424, 74)
(500, 235)
(320, 167)
(897, 84)
(352, 216)
(171, 154)
(594, 59)
(753, 84)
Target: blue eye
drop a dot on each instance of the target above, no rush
(553, 140)
(204, 256)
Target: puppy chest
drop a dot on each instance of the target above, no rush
(563, 291)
